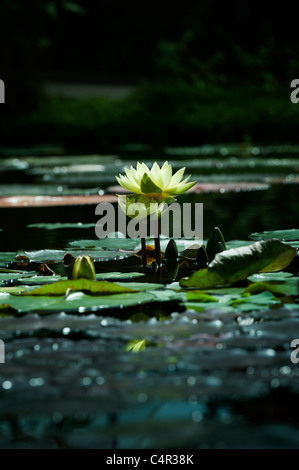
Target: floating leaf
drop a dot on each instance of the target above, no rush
(76, 302)
(291, 234)
(6, 257)
(109, 243)
(94, 287)
(12, 289)
(200, 296)
(239, 263)
(60, 226)
(118, 275)
(258, 287)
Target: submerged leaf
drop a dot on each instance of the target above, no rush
(136, 345)
(239, 263)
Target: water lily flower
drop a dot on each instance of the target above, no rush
(158, 183)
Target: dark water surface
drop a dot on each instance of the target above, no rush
(205, 380)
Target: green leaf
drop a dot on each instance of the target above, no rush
(94, 287)
(239, 263)
(200, 296)
(118, 275)
(75, 302)
(147, 186)
(291, 234)
(285, 282)
(109, 243)
(61, 226)
(136, 345)
(6, 257)
(258, 287)
(12, 289)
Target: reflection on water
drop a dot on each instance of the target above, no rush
(238, 214)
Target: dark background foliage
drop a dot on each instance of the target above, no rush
(204, 70)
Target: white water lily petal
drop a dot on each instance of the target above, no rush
(130, 175)
(182, 189)
(134, 173)
(127, 184)
(164, 184)
(176, 178)
(141, 169)
(166, 173)
(155, 175)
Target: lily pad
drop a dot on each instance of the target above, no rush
(94, 287)
(285, 235)
(61, 226)
(14, 276)
(110, 243)
(6, 257)
(56, 256)
(75, 302)
(239, 263)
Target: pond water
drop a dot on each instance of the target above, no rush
(211, 378)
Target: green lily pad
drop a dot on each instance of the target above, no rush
(109, 243)
(270, 277)
(12, 289)
(75, 302)
(258, 287)
(290, 234)
(61, 226)
(288, 286)
(200, 297)
(35, 279)
(94, 287)
(14, 276)
(56, 256)
(140, 286)
(6, 257)
(118, 275)
(239, 263)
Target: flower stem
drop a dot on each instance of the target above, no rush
(158, 251)
(143, 251)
